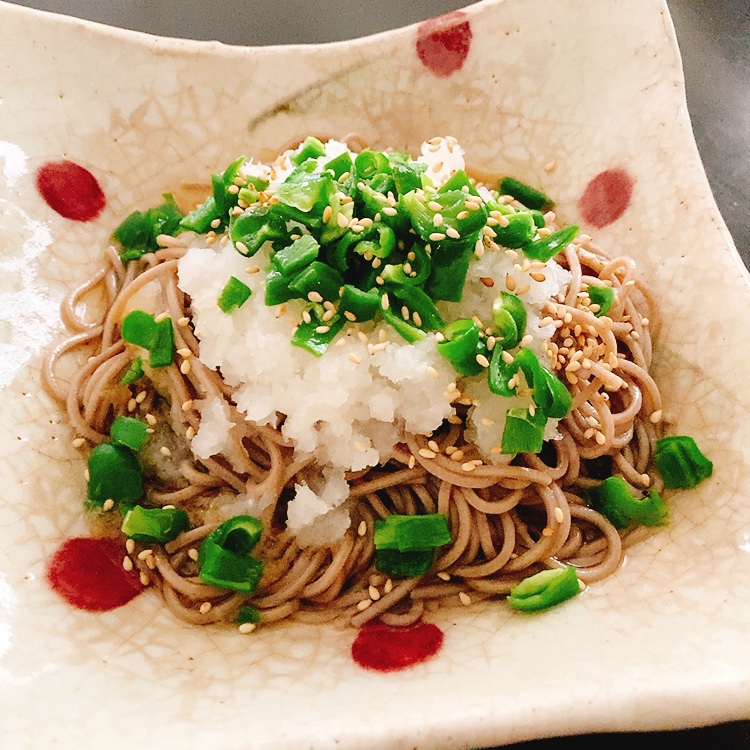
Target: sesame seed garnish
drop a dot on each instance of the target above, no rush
(182, 322)
(487, 281)
(437, 236)
(468, 466)
(547, 531)
(437, 220)
(487, 422)
(327, 315)
(646, 479)
(187, 405)
(314, 297)
(130, 546)
(161, 316)
(600, 437)
(364, 604)
(389, 210)
(405, 314)
(151, 560)
(496, 449)
(432, 372)
(433, 446)
(165, 451)
(656, 416)
(510, 282)
(443, 576)
(327, 213)
(132, 404)
(354, 358)
(427, 453)
(151, 419)
(247, 627)
(185, 367)
(79, 442)
(109, 503)
(362, 528)
(388, 586)
(482, 360)
(384, 302)
(184, 352)
(453, 233)
(538, 276)
(342, 221)
(190, 432)
(216, 223)
(143, 554)
(127, 564)
(559, 515)
(457, 455)
(145, 578)
(252, 270)
(205, 608)
(379, 280)
(374, 593)
(322, 329)
(412, 462)
(417, 318)
(465, 598)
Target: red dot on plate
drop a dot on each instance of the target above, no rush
(88, 574)
(443, 43)
(606, 197)
(387, 649)
(71, 190)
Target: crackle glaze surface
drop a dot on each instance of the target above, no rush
(520, 83)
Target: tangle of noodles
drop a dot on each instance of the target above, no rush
(507, 520)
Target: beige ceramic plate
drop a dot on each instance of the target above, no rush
(521, 83)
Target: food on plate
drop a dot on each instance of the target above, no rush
(355, 384)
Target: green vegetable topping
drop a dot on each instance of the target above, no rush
(614, 499)
(114, 472)
(547, 247)
(601, 295)
(233, 295)
(311, 148)
(405, 545)
(544, 590)
(224, 556)
(129, 432)
(681, 463)
(247, 614)
(138, 232)
(523, 432)
(154, 525)
(461, 346)
(509, 317)
(133, 373)
(140, 328)
(523, 193)
(412, 533)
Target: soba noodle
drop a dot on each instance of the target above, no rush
(507, 520)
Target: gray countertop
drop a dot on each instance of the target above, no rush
(714, 38)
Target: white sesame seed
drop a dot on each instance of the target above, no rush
(247, 627)
(362, 528)
(389, 211)
(364, 604)
(216, 223)
(465, 598)
(145, 578)
(412, 462)
(161, 316)
(547, 531)
(453, 233)
(252, 270)
(185, 367)
(132, 405)
(190, 432)
(182, 322)
(314, 297)
(205, 608)
(322, 329)
(437, 236)
(79, 442)
(443, 576)
(130, 546)
(388, 586)
(151, 419)
(427, 453)
(656, 416)
(468, 466)
(374, 593)
(437, 220)
(405, 314)
(559, 515)
(127, 564)
(109, 503)
(600, 438)
(433, 446)
(384, 302)
(327, 213)
(482, 360)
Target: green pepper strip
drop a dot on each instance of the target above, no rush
(114, 472)
(154, 525)
(524, 432)
(523, 193)
(544, 590)
(601, 295)
(411, 533)
(420, 303)
(509, 318)
(234, 294)
(363, 305)
(297, 256)
(681, 463)
(461, 346)
(614, 499)
(317, 341)
(130, 432)
(547, 247)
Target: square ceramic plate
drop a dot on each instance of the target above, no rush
(593, 87)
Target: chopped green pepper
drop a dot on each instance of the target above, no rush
(509, 318)
(601, 295)
(461, 346)
(114, 472)
(409, 533)
(139, 328)
(310, 148)
(523, 193)
(234, 294)
(254, 227)
(681, 463)
(154, 525)
(363, 305)
(523, 432)
(544, 590)
(134, 372)
(403, 564)
(317, 335)
(129, 432)
(614, 499)
(161, 354)
(547, 247)
(320, 278)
